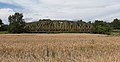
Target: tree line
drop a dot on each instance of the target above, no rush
(18, 25)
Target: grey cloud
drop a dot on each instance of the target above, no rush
(68, 9)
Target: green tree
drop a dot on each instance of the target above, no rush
(1, 22)
(1, 25)
(116, 24)
(16, 23)
(101, 27)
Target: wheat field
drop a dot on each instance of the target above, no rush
(59, 48)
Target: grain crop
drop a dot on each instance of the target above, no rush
(59, 48)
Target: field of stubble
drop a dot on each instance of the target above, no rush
(59, 48)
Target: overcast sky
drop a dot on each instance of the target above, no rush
(88, 10)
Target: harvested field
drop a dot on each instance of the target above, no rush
(59, 48)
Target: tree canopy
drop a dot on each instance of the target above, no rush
(101, 27)
(1, 22)
(116, 23)
(16, 23)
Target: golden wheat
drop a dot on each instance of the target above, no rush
(59, 48)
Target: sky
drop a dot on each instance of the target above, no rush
(88, 10)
